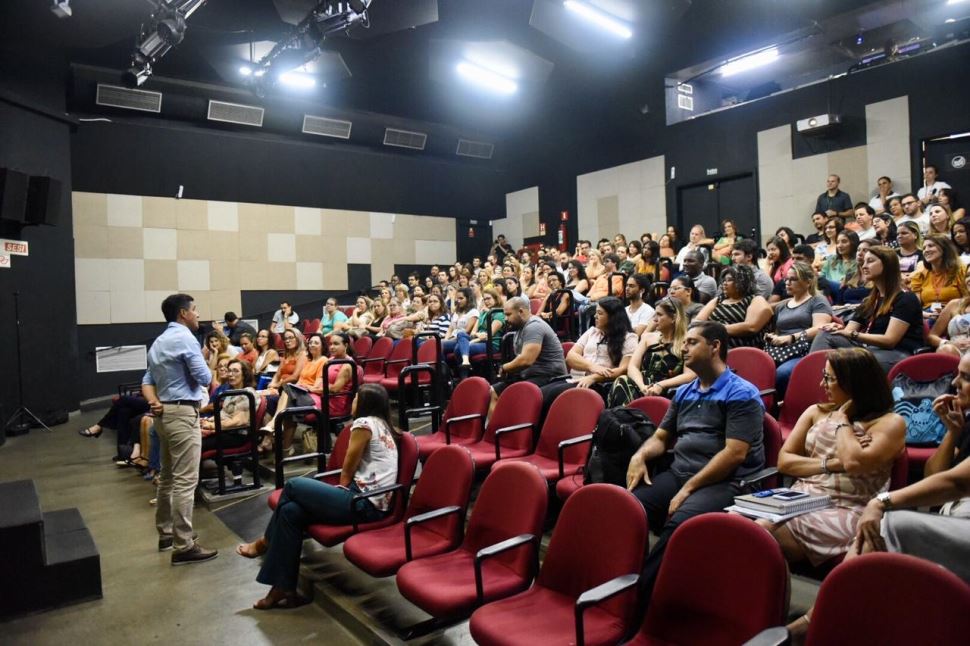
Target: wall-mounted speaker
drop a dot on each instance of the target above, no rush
(13, 195)
(43, 201)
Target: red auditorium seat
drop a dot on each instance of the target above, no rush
(433, 523)
(512, 426)
(310, 326)
(395, 362)
(426, 353)
(654, 407)
(804, 389)
(565, 437)
(407, 461)
(362, 346)
(757, 367)
(701, 597)
(374, 361)
(464, 418)
(585, 592)
(924, 367)
(855, 605)
(498, 554)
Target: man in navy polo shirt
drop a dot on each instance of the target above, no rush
(714, 425)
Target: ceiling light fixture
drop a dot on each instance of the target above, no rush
(297, 80)
(486, 78)
(599, 18)
(749, 61)
(165, 30)
(953, 1)
(245, 70)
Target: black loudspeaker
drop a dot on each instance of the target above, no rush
(13, 195)
(43, 201)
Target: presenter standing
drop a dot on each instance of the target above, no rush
(174, 386)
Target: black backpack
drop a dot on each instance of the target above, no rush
(618, 435)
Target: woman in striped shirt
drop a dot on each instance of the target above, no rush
(739, 307)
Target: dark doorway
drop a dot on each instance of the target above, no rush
(710, 203)
(472, 240)
(952, 159)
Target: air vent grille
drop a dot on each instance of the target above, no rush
(405, 139)
(244, 115)
(480, 149)
(326, 127)
(122, 97)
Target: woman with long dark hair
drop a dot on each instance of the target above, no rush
(370, 463)
(601, 354)
(885, 228)
(837, 268)
(910, 248)
(779, 259)
(888, 323)
(739, 307)
(576, 278)
(940, 278)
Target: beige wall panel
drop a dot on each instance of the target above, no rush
(124, 210)
(309, 275)
(124, 242)
(224, 245)
(224, 274)
(281, 276)
(280, 219)
(530, 225)
(92, 275)
(127, 307)
(153, 305)
(252, 218)
(252, 247)
(775, 179)
(159, 212)
(382, 225)
(887, 120)
(429, 252)
(432, 228)
(127, 275)
(312, 248)
(776, 212)
(192, 215)
(194, 245)
(160, 244)
(653, 202)
(223, 216)
(90, 241)
(161, 275)
(253, 275)
(358, 251)
(336, 224)
(335, 276)
(608, 216)
(306, 222)
(774, 145)
(93, 308)
(193, 275)
(222, 301)
(852, 165)
(203, 304)
(382, 259)
(90, 209)
(890, 157)
(404, 252)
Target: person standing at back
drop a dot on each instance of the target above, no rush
(174, 386)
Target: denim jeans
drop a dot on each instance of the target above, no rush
(304, 502)
(465, 348)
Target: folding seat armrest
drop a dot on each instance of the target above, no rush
(601, 593)
(389, 362)
(372, 359)
(327, 474)
(508, 429)
(767, 391)
(565, 444)
(460, 418)
(776, 636)
(370, 494)
(756, 478)
(495, 550)
(423, 518)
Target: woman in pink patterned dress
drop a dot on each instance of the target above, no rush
(843, 448)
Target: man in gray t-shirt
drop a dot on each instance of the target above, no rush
(538, 351)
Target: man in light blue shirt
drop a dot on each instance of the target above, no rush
(175, 385)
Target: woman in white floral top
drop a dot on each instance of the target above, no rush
(371, 462)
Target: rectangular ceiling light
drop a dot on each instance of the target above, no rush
(749, 61)
(486, 78)
(600, 18)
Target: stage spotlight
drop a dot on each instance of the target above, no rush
(599, 18)
(297, 80)
(749, 61)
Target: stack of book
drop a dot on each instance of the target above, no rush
(778, 505)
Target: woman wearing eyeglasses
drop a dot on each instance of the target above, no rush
(843, 448)
(234, 410)
(796, 321)
(739, 307)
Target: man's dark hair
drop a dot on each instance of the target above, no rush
(229, 317)
(602, 241)
(747, 246)
(284, 302)
(414, 275)
(864, 205)
(713, 331)
(933, 166)
(643, 281)
(805, 250)
(174, 304)
(905, 195)
(612, 257)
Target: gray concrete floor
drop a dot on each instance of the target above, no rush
(145, 600)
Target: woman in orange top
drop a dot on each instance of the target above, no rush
(940, 278)
(298, 394)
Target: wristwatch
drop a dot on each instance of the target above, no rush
(855, 335)
(885, 500)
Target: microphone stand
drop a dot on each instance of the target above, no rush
(27, 417)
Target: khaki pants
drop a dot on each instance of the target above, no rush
(181, 449)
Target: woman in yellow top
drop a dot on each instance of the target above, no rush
(940, 278)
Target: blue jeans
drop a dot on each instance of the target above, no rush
(304, 502)
(782, 375)
(449, 346)
(465, 347)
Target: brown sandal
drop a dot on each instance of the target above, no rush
(287, 602)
